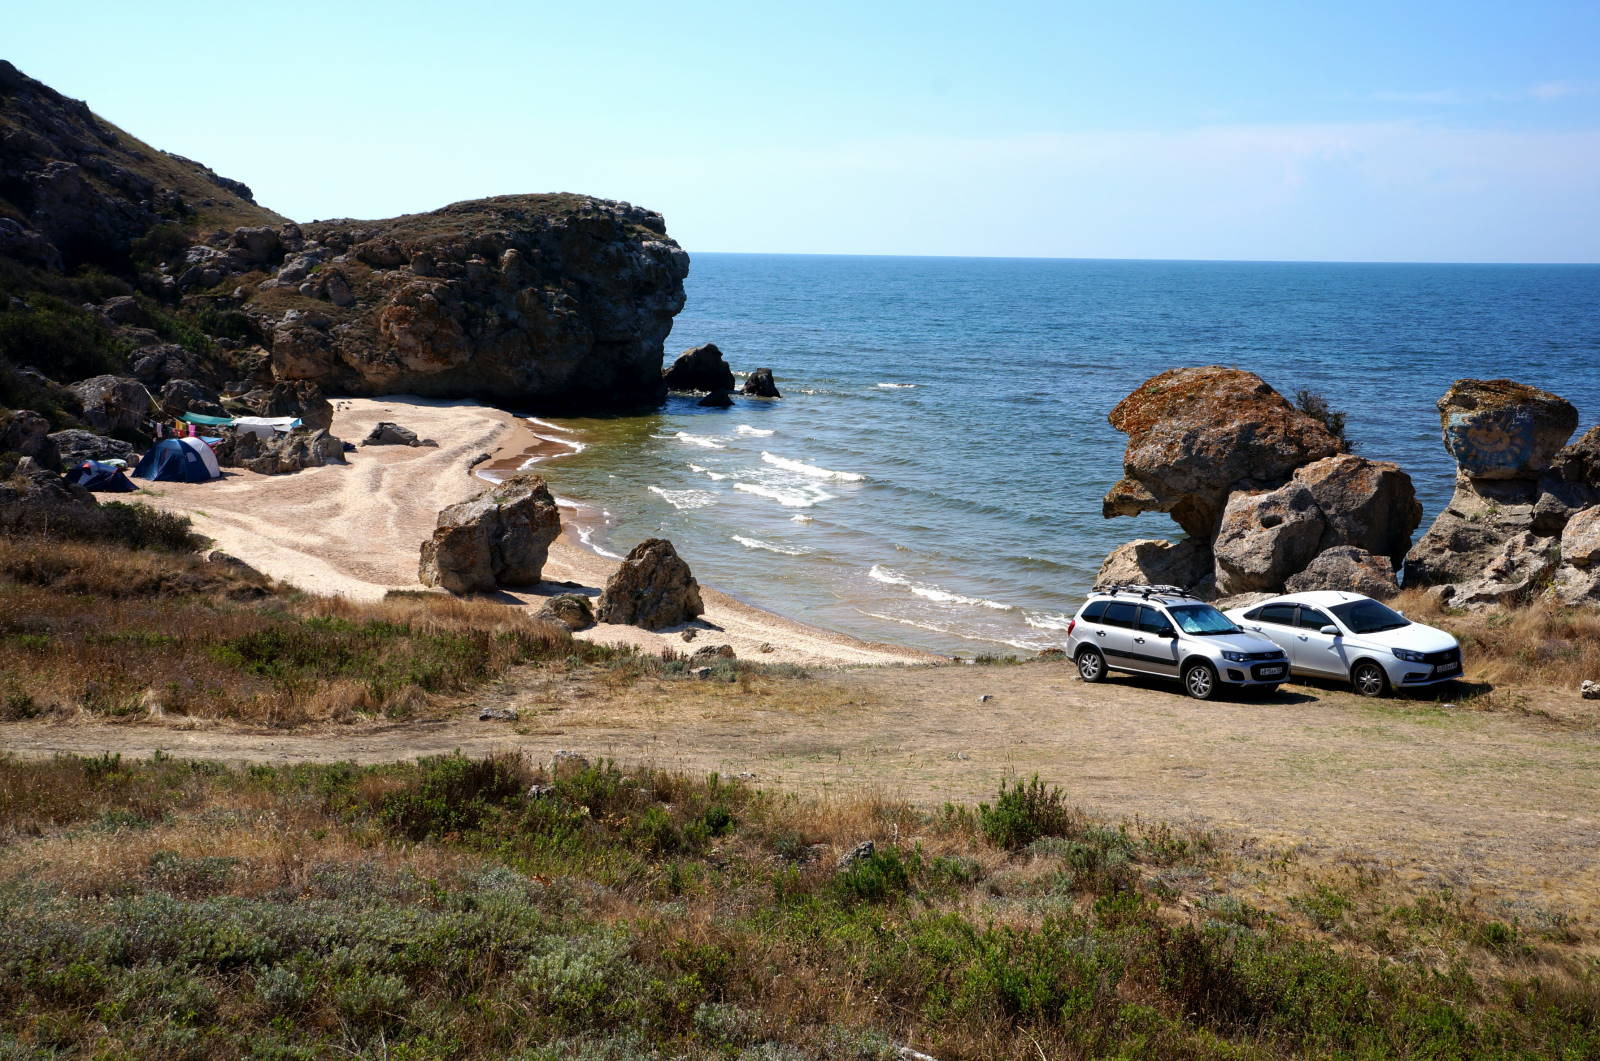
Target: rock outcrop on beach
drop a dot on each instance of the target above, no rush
(760, 384)
(652, 588)
(1262, 489)
(1197, 435)
(500, 538)
(281, 454)
(700, 368)
(1503, 538)
(388, 433)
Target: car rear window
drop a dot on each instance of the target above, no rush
(1121, 613)
(1093, 611)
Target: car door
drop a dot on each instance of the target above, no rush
(1117, 629)
(1313, 651)
(1275, 622)
(1155, 642)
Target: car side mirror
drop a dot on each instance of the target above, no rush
(1329, 629)
(1168, 633)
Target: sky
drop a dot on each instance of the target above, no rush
(1348, 131)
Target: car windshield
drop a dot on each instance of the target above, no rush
(1202, 619)
(1368, 617)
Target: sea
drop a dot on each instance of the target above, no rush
(932, 475)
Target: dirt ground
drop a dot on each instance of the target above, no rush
(1490, 803)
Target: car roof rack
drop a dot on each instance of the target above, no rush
(1133, 589)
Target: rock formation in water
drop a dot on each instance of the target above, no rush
(1262, 489)
(760, 384)
(652, 588)
(700, 368)
(500, 538)
(1520, 524)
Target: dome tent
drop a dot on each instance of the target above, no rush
(179, 460)
(100, 478)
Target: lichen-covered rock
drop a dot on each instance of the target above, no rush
(760, 384)
(1345, 567)
(699, 368)
(1264, 538)
(113, 404)
(76, 446)
(28, 433)
(1501, 429)
(1156, 562)
(541, 300)
(1196, 435)
(1369, 504)
(500, 538)
(652, 588)
(571, 610)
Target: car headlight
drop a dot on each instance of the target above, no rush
(1407, 655)
(1235, 657)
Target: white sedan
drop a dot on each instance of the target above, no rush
(1329, 634)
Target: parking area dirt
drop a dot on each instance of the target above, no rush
(1493, 802)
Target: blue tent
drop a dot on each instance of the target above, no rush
(100, 478)
(180, 460)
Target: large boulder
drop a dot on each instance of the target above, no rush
(1346, 500)
(542, 301)
(76, 446)
(1345, 567)
(298, 398)
(500, 538)
(1155, 562)
(187, 396)
(28, 433)
(1521, 569)
(652, 588)
(282, 454)
(760, 384)
(114, 405)
(699, 368)
(571, 610)
(1196, 435)
(388, 433)
(1502, 429)
(1578, 579)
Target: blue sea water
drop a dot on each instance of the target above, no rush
(933, 474)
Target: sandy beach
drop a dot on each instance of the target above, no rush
(355, 530)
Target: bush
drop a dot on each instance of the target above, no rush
(1023, 812)
(133, 525)
(451, 795)
(1316, 406)
(59, 339)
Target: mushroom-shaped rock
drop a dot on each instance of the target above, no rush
(1344, 567)
(1501, 429)
(500, 538)
(700, 368)
(652, 588)
(1155, 562)
(760, 384)
(1197, 434)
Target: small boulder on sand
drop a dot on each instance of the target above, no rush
(570, 610)
(500, 538)
(652, 588)
(387, 433)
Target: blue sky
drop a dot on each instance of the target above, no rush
(1307, 131)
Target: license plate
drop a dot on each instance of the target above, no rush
(1270, 672)
(1448, 668)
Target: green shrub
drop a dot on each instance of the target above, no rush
(60, 340)
(884, 874)
(1316, 406)
(451, 795)
(1023, 812)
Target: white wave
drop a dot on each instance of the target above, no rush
(1046, 621)
(586, 536)
(800, 517)
(685, 499)
(746, 429)
(707, 472)
(810, 469)
(757, 543)
(698, 440)
(897, 386)
(546, 423)
(800, 497)
(880, 573)
(946, 628)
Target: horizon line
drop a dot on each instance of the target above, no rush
(1173, 261)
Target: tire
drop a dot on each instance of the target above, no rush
(1091, 665)
(1369, 679)
(1200, 681)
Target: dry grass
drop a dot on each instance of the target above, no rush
(1541, 644)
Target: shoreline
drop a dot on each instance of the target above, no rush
(355, 530)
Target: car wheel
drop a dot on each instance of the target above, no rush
(1091, 665)
(1368, 679)
(1200, 681)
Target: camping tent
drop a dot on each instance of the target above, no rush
(100, 478)
(182, 460)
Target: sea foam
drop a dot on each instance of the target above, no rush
(788, 497)
(699, 440)
(801, 468)
(685, 499)
(707, 472)
(757, 543)
(879, 573)
(746, 429)
(897, 386)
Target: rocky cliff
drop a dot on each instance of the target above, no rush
(203, 298)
